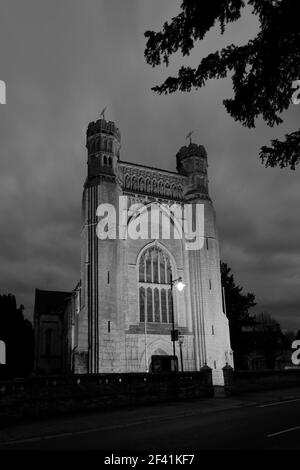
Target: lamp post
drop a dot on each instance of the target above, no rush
(174, 333)
(181, 339)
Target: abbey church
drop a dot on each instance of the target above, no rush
(126, 314)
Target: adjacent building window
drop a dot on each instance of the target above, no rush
(48, 342)
(154, 287)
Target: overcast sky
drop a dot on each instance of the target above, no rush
(63, 61)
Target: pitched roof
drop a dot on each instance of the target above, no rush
(50, 301)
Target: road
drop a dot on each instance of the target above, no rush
(258, 421)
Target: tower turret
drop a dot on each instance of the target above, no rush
(103, 144)
(192, 162)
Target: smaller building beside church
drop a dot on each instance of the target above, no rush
(54, 326)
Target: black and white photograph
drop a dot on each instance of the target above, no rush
(150, 229)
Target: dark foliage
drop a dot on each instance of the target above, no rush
(262, 71)
(258, 334)
(17, 334)
(238, 305)
(267, 338)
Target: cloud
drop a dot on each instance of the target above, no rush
(64, 62)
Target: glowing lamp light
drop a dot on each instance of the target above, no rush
(180, 285)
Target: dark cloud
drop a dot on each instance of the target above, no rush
(66, 59)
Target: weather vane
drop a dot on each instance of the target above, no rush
(189, 136)
(102, 114)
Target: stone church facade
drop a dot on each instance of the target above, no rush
(127, 307)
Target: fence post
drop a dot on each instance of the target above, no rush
(228, 374)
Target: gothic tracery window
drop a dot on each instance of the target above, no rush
(127, 181)
(154, 287)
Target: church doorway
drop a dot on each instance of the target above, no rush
(163, 363)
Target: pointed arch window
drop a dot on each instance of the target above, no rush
(154, 286)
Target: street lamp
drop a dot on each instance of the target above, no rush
(174, 333)
(181, 340)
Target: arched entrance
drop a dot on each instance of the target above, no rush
(162, 362)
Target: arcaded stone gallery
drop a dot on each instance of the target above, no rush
(127, 303)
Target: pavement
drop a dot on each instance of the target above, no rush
(261, 420)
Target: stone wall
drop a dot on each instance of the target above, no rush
(44, 396)
(237, 382)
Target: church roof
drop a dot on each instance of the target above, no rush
(159, 170)
(50, 302)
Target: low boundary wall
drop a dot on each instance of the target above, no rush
(45, 396)
(237, 382)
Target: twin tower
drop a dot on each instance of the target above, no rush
(129, 298)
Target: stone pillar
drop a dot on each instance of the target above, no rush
(207, 374)
(228, 373)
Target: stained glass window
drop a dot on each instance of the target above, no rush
(154, 286)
